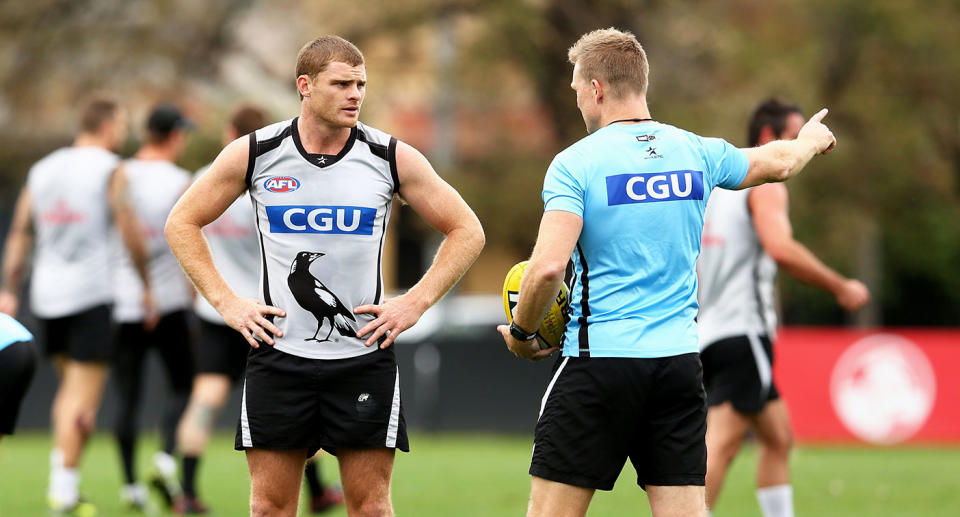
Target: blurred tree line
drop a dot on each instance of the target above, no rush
(883, 207)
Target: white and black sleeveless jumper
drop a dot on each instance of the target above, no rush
(321, 221)
(736, 275)
(72, 223)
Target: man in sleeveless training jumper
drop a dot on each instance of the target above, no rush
(746, 235)
(65, 215)
(321, 373)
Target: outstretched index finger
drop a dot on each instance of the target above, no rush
(818, 116)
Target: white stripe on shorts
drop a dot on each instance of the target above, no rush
(394, 425)
(763, 366)
(244, 424)
(543, 401)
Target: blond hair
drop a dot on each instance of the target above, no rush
(314, 57)
(613, 57)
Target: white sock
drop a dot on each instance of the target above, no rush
(134, 492)
(776, 501)
(165, 463)
(56, 463)
(56, 458)
(64, 485)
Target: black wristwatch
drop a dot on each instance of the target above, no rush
(519, 334)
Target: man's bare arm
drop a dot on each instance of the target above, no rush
(132, 234)
(18, 245)
(441, 206)
(128, 224)
(769, 206)
(559, 232)
(780, 160)
(200, 205)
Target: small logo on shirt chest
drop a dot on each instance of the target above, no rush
(652, 153)
(281, 184)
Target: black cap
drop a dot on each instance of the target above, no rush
(165, 118)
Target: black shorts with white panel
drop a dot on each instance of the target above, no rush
(599, 411)
(292, 402)
(740, 370)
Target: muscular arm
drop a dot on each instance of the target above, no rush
(769, 207)
(16, 249)
(200, 205)
(780, 160)
(559, 232)
(441, 206)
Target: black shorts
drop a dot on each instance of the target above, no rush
(17, 363)
(597, 412)
(171, 338)
(291, 402)
(220, 349)
(739, 369)
(85, 336)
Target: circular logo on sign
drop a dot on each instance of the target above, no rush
(883, 388)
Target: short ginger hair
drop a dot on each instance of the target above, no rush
(314, 57)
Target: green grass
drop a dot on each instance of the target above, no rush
(467, 475)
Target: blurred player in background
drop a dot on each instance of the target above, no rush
(626, 205)
(220, 351)
(746, 235)
(66, 205)
(17, 364)
(153, 185)
(322, 373)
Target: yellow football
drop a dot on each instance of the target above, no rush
(550, 333)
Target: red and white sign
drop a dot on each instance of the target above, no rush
(882, 387)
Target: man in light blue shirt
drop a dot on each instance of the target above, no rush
(642, 188)
(626, 205)
(17, 362)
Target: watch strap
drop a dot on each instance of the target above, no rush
(519, 334)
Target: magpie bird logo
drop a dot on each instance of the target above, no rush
(316, 298)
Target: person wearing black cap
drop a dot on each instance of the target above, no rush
(153, 185)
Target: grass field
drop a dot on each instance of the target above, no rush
(463, 475)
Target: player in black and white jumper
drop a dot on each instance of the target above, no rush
(153, 184)
(746, 235)
(321, 373)
(65, 214)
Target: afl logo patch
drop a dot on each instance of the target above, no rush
(281, 184)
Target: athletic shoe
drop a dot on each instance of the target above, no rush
(186, 505)
(163, 478)
(332, 496)
(81, 508)
(134, 498)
